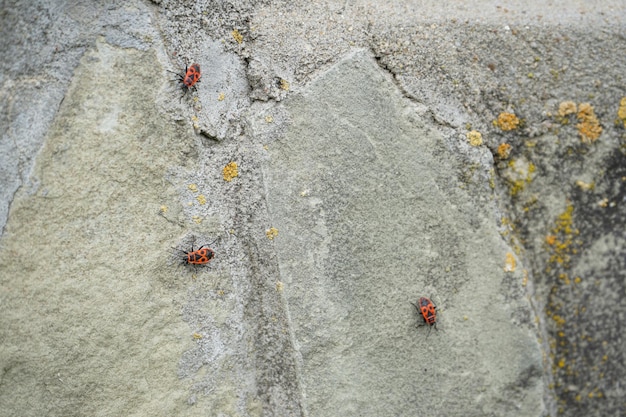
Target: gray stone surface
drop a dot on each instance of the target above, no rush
(370, 219)
(348, 123)
(90, 322)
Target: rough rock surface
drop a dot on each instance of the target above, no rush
(473, 154)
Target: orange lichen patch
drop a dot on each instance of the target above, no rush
(507, 121)
(509, 262)
(589, 125)
(230, 171)
(271, 233)
(621, 111)
(504, 150)
(475, 138)
(566, 108)
(550, 240)
(237, 36)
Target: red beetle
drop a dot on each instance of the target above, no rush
(428, 310)
(198, 257)
(191, 77)
(201, 256)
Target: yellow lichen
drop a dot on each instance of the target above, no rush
(221, 97)
(271, 233)
(504, 150)
(197, 336)
(284, 84)
(621, 111)
(475, 138)
(237, 36)
(269, 119)
(517, 186)
(589, 126)
(566, 108)
(507, 121)
(194, 118)
(230, 171)
(163, 209)
(585, 186)
(509, 262)
(564, 221)
(193, 188)
(519, 175)
(560, 321)
(561, 240)
(279, 286)
(201, 199)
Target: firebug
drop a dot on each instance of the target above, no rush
(201, 256)
(428, 310)
(197, 257)
(190, 78)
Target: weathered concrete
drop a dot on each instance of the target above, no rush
(348, 123)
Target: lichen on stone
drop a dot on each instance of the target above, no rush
(230, 171)
(507, 121)
(589, 125)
